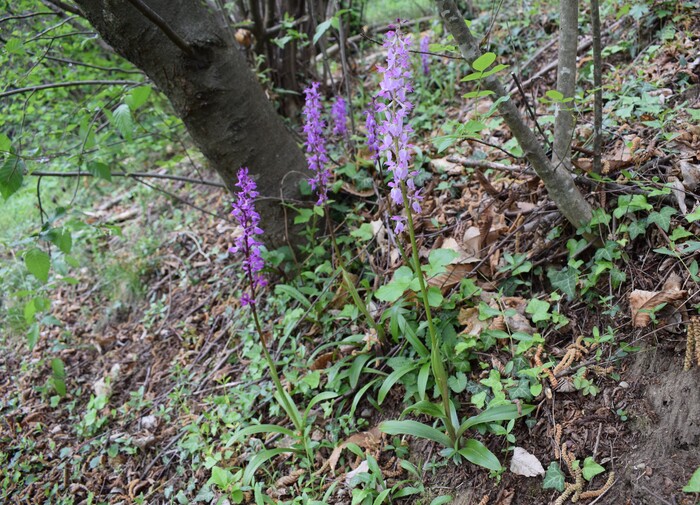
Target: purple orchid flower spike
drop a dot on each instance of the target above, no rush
(339, 113)
(394, 129)
(424, 57)
(316, 153)
(371, 130)
(247, 244)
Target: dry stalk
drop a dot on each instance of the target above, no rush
(538, 362)
(693, 343)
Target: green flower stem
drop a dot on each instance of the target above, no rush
(338, 258)
(362, 307)
(436, 362)
(288, 407)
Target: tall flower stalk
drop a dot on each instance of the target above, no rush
(339, 113)
(371, 131)
(397, 151)
(248, 245)
(316, 153)
(424, 57)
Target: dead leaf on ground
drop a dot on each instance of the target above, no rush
(444, 166)
(643, 302)
(525, 464)
(366, 440)
(457, 269)
(361, 468)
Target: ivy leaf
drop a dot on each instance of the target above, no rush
(435, 297)
(637, 228)
(38, 263)
(539, 309)
(591, 468)
(662, 218)
(693, 216)
(438, 260)
(122, 120)
(11, 176)
(564, 280)
(554, 477)
(693, 485)
(521, 390)
(458, 382)
(364, 232)
(396, 288)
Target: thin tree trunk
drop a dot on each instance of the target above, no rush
(598, 85)
(564, 120)
(212, 90)
(557, 180)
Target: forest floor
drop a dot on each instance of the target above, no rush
(159, 361)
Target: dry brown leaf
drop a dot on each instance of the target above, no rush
(690, 172)
(289, 479)
(471, 242)
(443, 165)
(367, 440)
(364, 193)
(342, 297)
(323, 361)
(678, 191)
(451, 277)
(469, 318)
(641, 302)
(465, 255)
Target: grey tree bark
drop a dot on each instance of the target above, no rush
(598, 85)
(557, 179)
(564, 120)
(186, 50)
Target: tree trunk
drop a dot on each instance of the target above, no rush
(188, 53)
(558, 181)
(564, 120)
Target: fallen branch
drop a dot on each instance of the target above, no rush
(488, 165)
(39, 173)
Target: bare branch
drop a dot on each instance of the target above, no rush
(68, 84)
(27, 15)
(39, 173)
(97, 67)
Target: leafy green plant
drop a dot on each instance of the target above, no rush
(693, 485)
